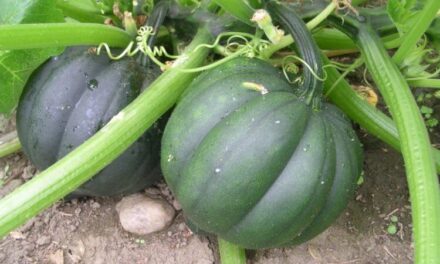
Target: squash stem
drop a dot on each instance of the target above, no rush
(417, 152)
(231, 253)
(9, 144)
(311, 86)
(31, 36)
(416, 148)
(287, 40)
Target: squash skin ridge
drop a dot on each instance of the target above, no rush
(304, 215)
(37, 102)
(323, 188)
(271, 186)
(69, 115)
(355, 168)
(220, 146)
(191, 207)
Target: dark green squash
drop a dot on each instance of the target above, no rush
(261, 169)
(69, 99)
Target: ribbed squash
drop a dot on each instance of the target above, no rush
(69, 99)
(262, 167)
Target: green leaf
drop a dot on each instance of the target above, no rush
(426, 110)
(392, 229)
(29, 11)
(403, 13)
(16, 66)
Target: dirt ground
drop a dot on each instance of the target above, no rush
(88, 231)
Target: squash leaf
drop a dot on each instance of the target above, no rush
(403, 13)
(16, 66)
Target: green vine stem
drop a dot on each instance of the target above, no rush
(82, 163)
(9, 144)
(421, 24)
(329, 39)
(415, 145)
(29, 36)
(426, 83)
(231, 253)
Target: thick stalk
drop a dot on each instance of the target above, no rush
(415, 145)
(231, 253)
(82, 163)
(29, 36)
(311, 87)
(416, 148)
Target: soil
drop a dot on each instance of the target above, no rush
(88, 231)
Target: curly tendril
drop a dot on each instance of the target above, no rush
(291, 67)
(144, 33)
(236, 44)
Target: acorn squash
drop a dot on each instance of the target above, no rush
(69, 99)
(263, 167)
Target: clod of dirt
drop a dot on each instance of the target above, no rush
(76, 251)
(141, 215)
(12, 185)
(57, 257)
(43, 240)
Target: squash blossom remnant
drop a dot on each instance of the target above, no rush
(256, 87)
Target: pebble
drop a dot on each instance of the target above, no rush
(181, 227)
(95, 205)
(77, 211)
(28, 172)
(142, 215)
(43, 240)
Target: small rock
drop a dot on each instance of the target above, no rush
(77, 251)
(95, 205)
(181, 227)
(77, 211)
(57, 257)
(17, 235)
(43, 240)
(142, 215)
(28, 172)
(47, 218)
